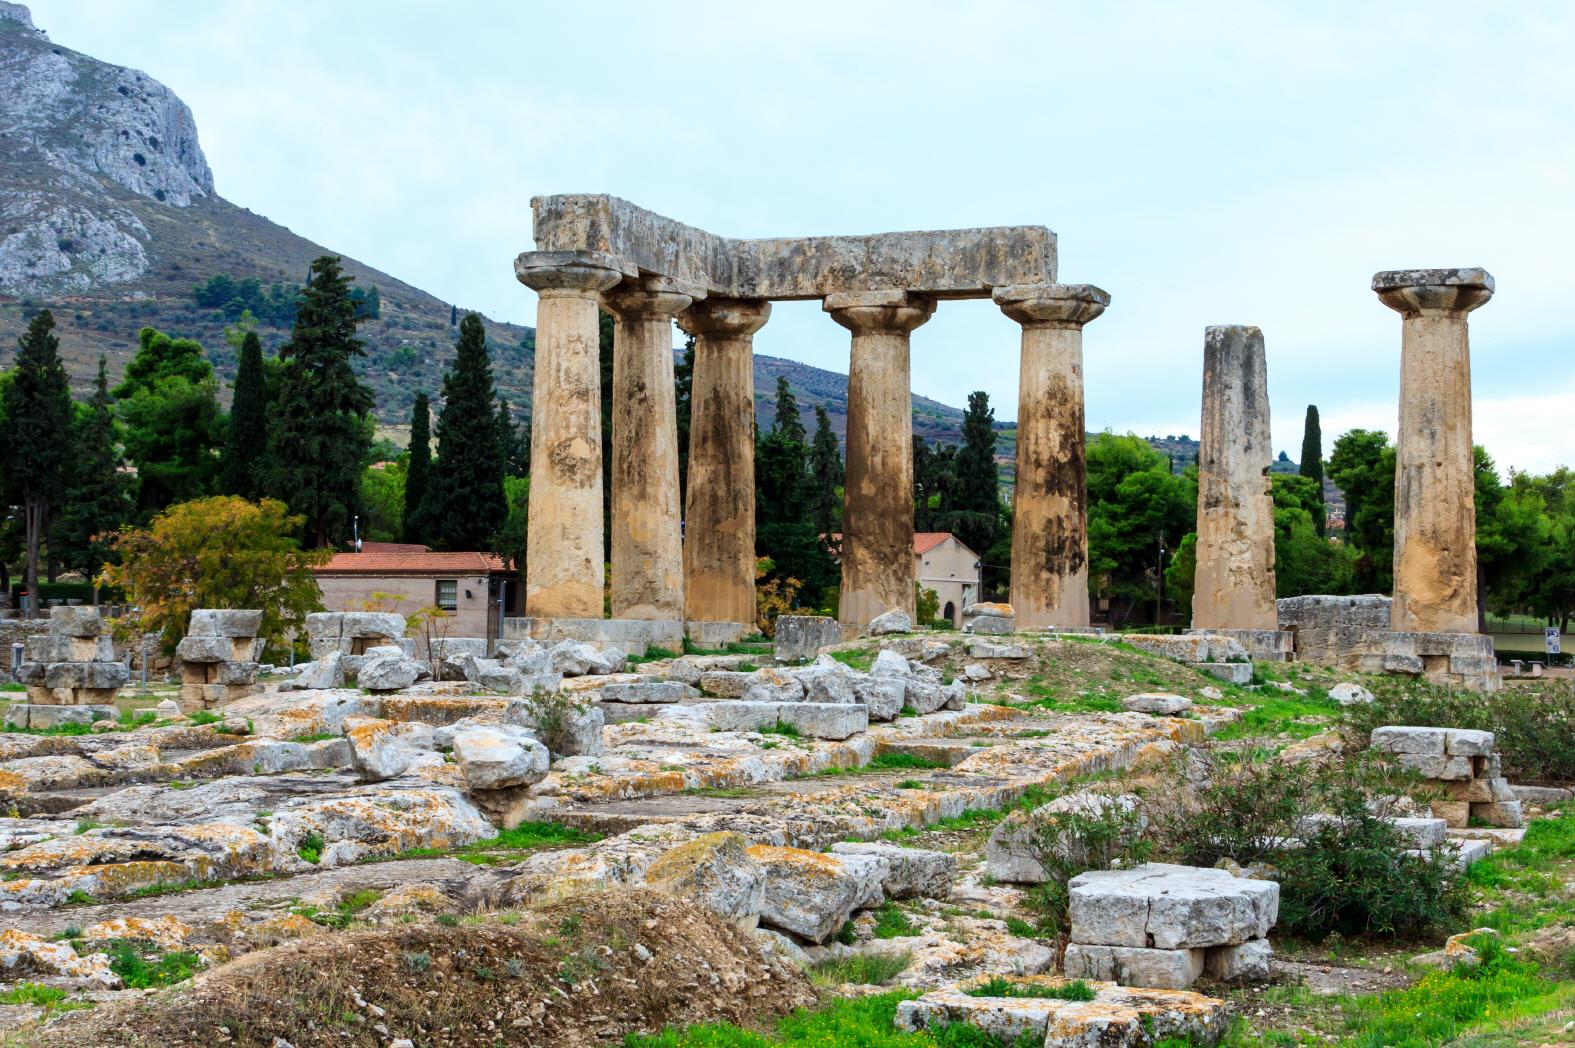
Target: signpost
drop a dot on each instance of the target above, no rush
(1550, 636)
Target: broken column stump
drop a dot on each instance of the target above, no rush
(218, 657)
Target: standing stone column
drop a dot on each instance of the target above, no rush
(719, 518)
(563, 551)
(877, 515)
(647, 531)
(1234, 584)
(1435, 588)
(1050, 506)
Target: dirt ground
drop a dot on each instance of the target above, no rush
(571, 975)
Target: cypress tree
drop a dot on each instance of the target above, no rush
(467, 502)
(826, 475)
(418, 468)
(683, 396)
(248, 438)
(788, 423)
(38, 437)
(1312, 462)
(322, 432)
(98, 494)
(977, 497)
(513, 442)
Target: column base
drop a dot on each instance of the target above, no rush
(1462, 660)
(38, 715)
(1261, 645)
(718, 634)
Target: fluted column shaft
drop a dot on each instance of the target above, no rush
(647, 530)
(1234, 583)
(563, 561)
(1435, 565)
(719, 514)
(877, 517)
(1050, 503)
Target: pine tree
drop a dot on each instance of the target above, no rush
(98, 494)
(322, 431)
(169, 401)
(37, 444)
(418, 470)
(248, 438)
(976, 502)
(788, 423)
(826, 476)
(1312, 463)
(467, 504)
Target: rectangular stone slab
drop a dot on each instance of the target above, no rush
(822, 720)
(1134, 966)
(952, 263)
(1167, 907)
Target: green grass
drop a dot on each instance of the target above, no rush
(51, 998)
(864, 1022)
(1076, 990)
(1045, 697)
(653, 653)
(142, 965)
(204, 717)
(891, 921)
(1273, 712)
(59, 729)
(12, 685)
(787, 731)
(860, 659)
(311, 848)
(880, 762)
(322, 736)
(509, 845)
(866, 969)
(341, 915)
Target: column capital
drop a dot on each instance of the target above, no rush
(571, 272)
(1051, 305)
(1413, 292)
(879, 312)
(651, 296)
(725, 317)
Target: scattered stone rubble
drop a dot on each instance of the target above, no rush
(1160, 925)
(71, 673)
(1464, 765)
(1217, 654)
(218, 657)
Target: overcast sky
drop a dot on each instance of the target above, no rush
(1205, 164)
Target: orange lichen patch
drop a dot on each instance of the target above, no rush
(103, 882)
(411, 898)
(10, 782)
(439, 711)
(801, 861)
(18, 948)
(76, 850)
(284, 926)
(678, 863)
(368, 731)
(167, 932)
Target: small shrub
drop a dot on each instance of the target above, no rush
(1067, 843)
(141, 965)
(865, 969)
(416, 963)
(553, 714)
(448, 920)
(310, 849)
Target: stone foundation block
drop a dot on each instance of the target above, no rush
(1456, 814)
(1158, 969)
(1481, 791)
(1261, 645)
(1422, 833)
(1230, 672)
(983, 649)
(632, 636)
(76, 621)
(1432, 766)
(27, 715)
(98, 675)
(802, 636)
(1467, 852)
(725, 684)
(50, 647)
(1246, 962)
(1398, 739)
(821, 720)
(709, 635)
(194, 697)
(1505, 814)
(647, 692)
(236, 623)
(1466, 742)
(1170, 907)
(989, 619)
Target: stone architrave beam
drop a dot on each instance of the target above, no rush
(1234, 581)
(1435, 510)
(953, 263)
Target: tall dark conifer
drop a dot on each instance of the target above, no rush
(788, 423)
(683, 396)
(98, 494)
(468, 503)
(37, 441)
(418, 470)
(247, 443)
(1312, 462)
(321, 435)
(826, 476)
(976, 499)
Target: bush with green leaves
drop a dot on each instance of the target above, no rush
(554, 714)
(1350, 871)
(1103, 834)
(1533, 725)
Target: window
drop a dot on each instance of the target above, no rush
(448, 594)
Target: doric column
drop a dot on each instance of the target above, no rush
(1435, 588)
(647, 531)
(563, 558)
(877, 515)
(719, 518)
(1233, 586)
(1050, 505)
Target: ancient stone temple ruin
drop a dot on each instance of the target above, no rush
(71, 672)
(693, 566)
(218, 657)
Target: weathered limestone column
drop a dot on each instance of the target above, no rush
(877, 515)
(1435, 589)
(719, 518)
(1234, 583)
(647, 531)
(1050, 507)
(563, 550)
